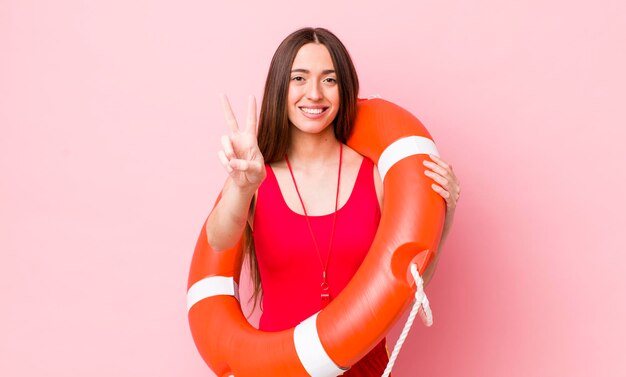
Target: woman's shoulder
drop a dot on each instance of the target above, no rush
(358, 159)
(352, 157)
(276, 165)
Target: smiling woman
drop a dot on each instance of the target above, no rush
(307, 205)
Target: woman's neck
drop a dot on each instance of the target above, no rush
(313, 150)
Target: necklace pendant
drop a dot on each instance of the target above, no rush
(325, 293)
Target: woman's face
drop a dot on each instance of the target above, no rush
(313, 99)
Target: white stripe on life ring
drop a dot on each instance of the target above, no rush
(403, 148)
(211, 286)
(311, 352)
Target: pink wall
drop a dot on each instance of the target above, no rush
(110, 126)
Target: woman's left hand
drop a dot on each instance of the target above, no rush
(447, 184)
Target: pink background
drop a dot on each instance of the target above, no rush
(110, 127)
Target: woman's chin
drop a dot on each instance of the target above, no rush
(314, 128)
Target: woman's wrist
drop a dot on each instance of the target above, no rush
(245, 191)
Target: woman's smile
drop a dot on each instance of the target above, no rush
(313, 112)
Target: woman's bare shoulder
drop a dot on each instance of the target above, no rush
(351, 156)
(378, 183)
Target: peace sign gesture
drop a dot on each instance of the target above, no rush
(240, 154)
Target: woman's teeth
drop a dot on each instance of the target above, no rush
(311, 111)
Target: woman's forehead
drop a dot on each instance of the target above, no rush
(313, 57)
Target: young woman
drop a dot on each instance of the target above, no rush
(308, 204)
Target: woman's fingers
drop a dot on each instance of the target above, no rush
(227, 146)
(240, 154)
(441, 162)
(441, 191)
(239, 165)
(447, 184)
(244, 165)
(252, 170)
(251, 124)
(224, 161)
(228, 114)
(437, 178)
(251, 121)
(436, 168)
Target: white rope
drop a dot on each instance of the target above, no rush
(421, 302)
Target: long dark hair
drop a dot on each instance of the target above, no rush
(273, 135)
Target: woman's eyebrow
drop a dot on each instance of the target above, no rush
(302, 70)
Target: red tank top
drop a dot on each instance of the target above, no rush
(291, 272)
(289, 265)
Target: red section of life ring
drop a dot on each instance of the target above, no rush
(332, 340)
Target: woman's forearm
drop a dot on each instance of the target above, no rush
(227, 221)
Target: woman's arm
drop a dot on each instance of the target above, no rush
(242, 159)
(448, 186)
(227, 221)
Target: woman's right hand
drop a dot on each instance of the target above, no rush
(240, 154)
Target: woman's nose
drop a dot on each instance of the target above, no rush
(313, 91)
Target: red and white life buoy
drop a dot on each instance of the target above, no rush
(332, 340)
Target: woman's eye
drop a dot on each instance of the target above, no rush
(297, 78)
(330, 80)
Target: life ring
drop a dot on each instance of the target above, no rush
(332, 340)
